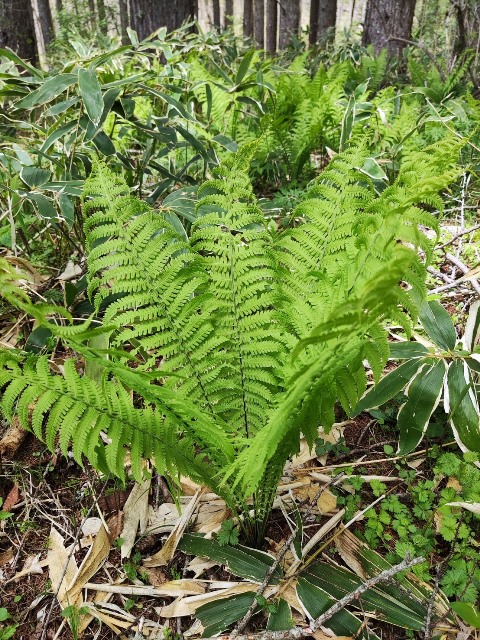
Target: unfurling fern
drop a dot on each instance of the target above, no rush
(241, 340)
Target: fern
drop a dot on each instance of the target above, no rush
(243, 340)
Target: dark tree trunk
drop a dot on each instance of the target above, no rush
(271, 34)
(216, 13)
(327, 17)
(259, 22)
(146, 16)
(46, 22)
(228, 13)
(248, 18)
(102, 16)
(386, 20)
(289, 21)
(16, 28)
(313, 26)
(124, 22)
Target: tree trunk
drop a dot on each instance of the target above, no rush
(146, 16)
(259, 23)
(16, 28)
(386, 20)
(289, 21)
(102, 16)
(327, 17)
(216, 13)
(271, 35)
(124, 22)
(228, 13)
(248, 18)
(45, 21)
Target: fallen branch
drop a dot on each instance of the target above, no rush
(299, 632)
(462, 233)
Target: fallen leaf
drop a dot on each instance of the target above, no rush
(172, 589)
(166, 553)
(70, 272)
(12, 498)
(94, 559)
(320, 635)
(32, 565)
(91, 526)
(474, 507)
(455, 484)
(12, 439)
(187, 606)
(6, 556)
(155, 576)
(135, 514)
(115, 526)
(326, 502)
(62, 569)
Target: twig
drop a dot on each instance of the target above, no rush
(297, 632)
(242, 624)
(464, 269)
(421, 46)
(462, 233)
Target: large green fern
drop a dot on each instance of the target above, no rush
(235, 341)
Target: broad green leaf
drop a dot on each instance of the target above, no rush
(393, 607)
(35, 176)
(226, 142)
(280, 619)
(49, 90)
(91, 93)
(463, 406)
(437, 323)
(57, 134)
(70, 187)
(10, 55)
(372, 169)
(104, 144)
(423, 394)
(44, 205)
(182, 202)
(389, 386)
(37, 340)
(175, 104)
(60, 107)
(316, 601)
(244, 66)
(67, 208)
(242, 561)
(406, 350)
(471, 336)
(218, 616)
(468, 613)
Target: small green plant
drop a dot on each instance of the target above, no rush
(7, 630)
(74, 615)
(228, 533)
(434, 369)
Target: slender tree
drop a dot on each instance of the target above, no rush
(327, 17)
(248, 18)
(259, 22)
(271, 34)
(123, 12)
(388, 23)
(228, 13)
(146, 16)
(45, 21)
(289, 21)
(16, 28)
(216, 13)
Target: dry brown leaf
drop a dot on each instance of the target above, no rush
(327, 502)
(166, 553)
(32, 564)
(12, 498)
(348, 546)
(172, 589)
(115, 526)
(62, 570)
(187, 606)
(188, 487)
(210, 516)
(199, 565)
(135, 516)
(455, 484)
(155, 576)
(94, 559)
(6, 556)
(320, 635)
(12, 439)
